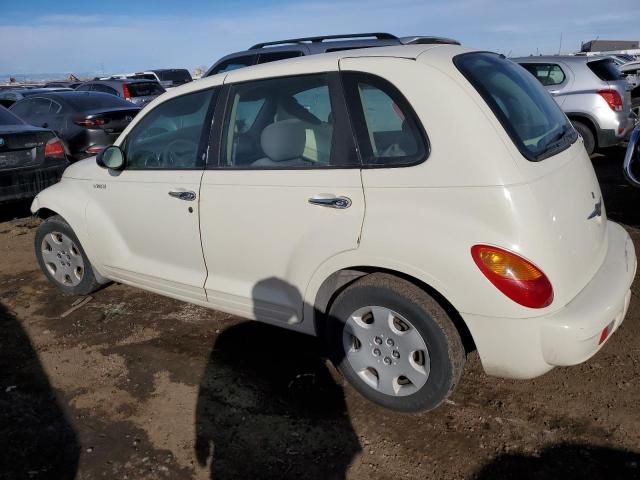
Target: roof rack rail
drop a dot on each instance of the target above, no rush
(425, 40)
(379, 36)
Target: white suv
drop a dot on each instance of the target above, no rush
(406, 203)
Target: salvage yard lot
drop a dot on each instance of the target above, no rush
(134, 385)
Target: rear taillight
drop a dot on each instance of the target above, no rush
(54, 149)
(94, 150)
(126, 92)
(517, 278)
(613, 98)
(90, 122)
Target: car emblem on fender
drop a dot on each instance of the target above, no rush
(597, 210)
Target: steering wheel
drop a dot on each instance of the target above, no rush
(149, 159)
(179, 153)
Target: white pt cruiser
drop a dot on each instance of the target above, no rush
(407, 204)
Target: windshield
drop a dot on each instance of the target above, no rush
(527, 112)
(8, 118)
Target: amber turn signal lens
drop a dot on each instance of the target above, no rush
(517, 278)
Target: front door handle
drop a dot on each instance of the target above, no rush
(330, 201)
(187, 195)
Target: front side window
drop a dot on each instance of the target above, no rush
(169, 137)
(548, 74)
(388, 130)
(285, 123)
(530, 116)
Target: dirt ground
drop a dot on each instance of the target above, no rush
(136, 386)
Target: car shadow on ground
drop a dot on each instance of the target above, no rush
(11, 211)
(269, 407)
(38, 441)
(565, 461)
(621, 200)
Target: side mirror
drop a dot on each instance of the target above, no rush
(111, 157)
(631, 163)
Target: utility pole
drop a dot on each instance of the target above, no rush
(560, 47)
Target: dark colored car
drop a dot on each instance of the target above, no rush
(167, 77)
(62, 84)
(297, 47)
(9, 97)
(31, 158)
(138, 92)
(85, 121)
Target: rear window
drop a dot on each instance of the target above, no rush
(177, 77)
(145, 89)
(527, 112)
(94, 101)
(8, 118)
(605, 69)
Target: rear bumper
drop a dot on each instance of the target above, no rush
(610, 138)
(526, 348)
(22, 184)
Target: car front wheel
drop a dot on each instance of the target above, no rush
(62, 258)
(395, 344)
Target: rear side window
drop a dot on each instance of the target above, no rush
(104, 89)
(527, 112)
(145, 89)
(548, 74)
(85, 88)
(605, 69)
(387, 128)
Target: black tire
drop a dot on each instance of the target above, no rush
(587, 136)
(444, 345)
(88, 283)
(635, 106)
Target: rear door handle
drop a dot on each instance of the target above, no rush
(187, 195)
(554, 92)
(330, 201)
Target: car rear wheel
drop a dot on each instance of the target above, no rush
(587, 136)
(395, 344)
(62, 258)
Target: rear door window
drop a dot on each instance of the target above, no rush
(386, 126)
(605, 69)
(548, 74)
(530, 116)
(8, 118)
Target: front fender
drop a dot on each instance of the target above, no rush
(69, 199)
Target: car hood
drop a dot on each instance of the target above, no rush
(82, 170)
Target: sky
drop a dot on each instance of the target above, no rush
(118, 36)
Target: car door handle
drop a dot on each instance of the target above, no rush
(187, 195)
(330, 201)
(554, 92)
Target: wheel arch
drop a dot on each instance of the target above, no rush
(336, 282)
(588, 121)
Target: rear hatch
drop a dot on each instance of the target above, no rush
(559, 217)
(607, 71)
(22, 146)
